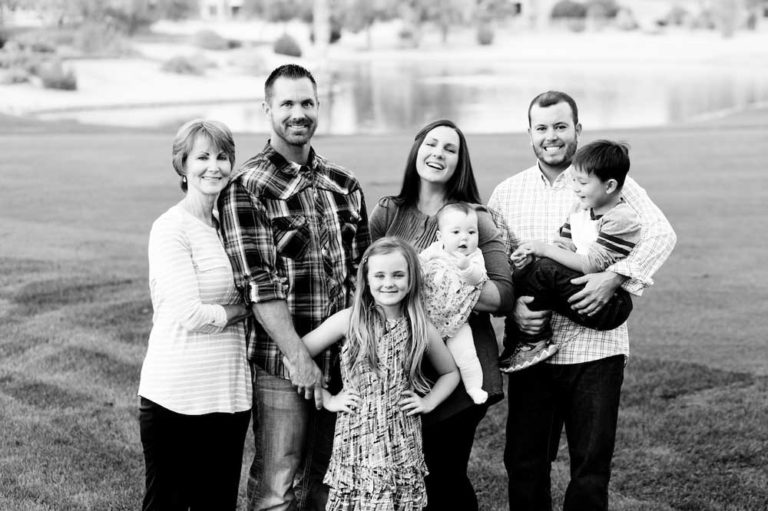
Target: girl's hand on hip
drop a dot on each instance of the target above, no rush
(412, 404)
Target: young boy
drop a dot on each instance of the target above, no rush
(454, 274)
(600, 230)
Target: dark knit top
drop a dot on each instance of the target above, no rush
(389, 219)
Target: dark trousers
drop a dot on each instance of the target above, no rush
(192, 461)
(549, 282)
(447, 446)
(543, 398)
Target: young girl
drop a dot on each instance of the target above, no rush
(377, 460)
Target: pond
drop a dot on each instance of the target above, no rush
(483, 97)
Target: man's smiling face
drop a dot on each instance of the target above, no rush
(554, 136)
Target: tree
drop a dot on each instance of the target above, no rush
(443, 13)
(280, 10)
(358, 15)
(175, 9)
(129, 16)
(727, 13)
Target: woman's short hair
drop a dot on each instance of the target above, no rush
(460, 187)
(217, 134)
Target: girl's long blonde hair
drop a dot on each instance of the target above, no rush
(367, 321)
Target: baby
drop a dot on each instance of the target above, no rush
(454, 273)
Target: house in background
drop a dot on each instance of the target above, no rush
(220, 9)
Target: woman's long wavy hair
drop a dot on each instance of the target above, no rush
(461, 187)
(367, 322)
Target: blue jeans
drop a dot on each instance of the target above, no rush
(543, 398)
(293, 443)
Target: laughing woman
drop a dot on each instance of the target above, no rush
(195, 388)
(439, 171)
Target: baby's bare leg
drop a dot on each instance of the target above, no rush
(462, 347)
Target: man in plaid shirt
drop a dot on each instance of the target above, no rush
(295, 228)
(579, 386)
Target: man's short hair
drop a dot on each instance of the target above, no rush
(289, 71)
(605, 159)
(553, 97)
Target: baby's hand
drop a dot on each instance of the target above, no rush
(345, 401)
(413, 404)
(462, 261)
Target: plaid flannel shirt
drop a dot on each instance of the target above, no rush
(293, 233)
(534, 210)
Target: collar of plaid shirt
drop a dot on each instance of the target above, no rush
(283, 165)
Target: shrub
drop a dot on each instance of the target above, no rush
(54, 76)
(39, 41)
(568, 9)
(287, 45)
(210, 40)
(183, 65)
(335, 32)
(485, 34)
(576, 24)
(13, 75)
(677, 16)
(625, 20)
(254, 63)
(98, 39)
(13, 57)
(602, 9)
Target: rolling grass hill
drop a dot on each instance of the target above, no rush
(76, 205)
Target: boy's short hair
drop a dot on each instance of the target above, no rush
(463, 207)
(605, 159)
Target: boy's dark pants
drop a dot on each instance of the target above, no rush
(549, 282)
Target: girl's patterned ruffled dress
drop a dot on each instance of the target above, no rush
(377, 462)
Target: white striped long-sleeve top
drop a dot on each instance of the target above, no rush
(194, 363)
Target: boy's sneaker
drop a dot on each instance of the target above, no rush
(527, 354)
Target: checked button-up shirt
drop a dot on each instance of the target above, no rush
(293, 233)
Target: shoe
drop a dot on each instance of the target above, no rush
(528, 354)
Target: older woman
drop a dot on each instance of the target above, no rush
(195, 384)
(438, 171)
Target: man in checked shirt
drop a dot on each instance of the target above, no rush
(579, 386)
(295, 227)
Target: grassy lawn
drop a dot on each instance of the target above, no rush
(76, 205)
